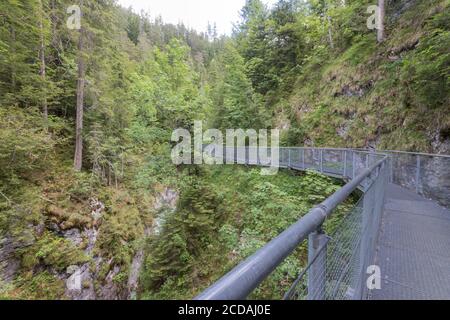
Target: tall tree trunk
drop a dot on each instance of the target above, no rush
(330, 33)
(13, 62)
(43, 66)
(78, 161)
(54, 22)
(380, 33)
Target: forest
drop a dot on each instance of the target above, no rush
(88, 191)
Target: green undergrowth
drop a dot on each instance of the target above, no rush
(394, 95)
(224, 215)
(41, 197)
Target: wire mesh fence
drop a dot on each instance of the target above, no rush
(338, 264)
(427, 175)
(344, 163)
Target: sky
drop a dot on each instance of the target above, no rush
(193, 13)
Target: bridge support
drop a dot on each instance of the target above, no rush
(317, 259)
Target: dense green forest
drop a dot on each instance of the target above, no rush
(88, 191)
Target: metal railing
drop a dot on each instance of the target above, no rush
(337, 264)
(426, 174)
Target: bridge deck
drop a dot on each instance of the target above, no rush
(414, 248)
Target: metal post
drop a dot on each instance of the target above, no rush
(303, 159)
(321, 160)
(366, 239)
(353, 165)
(258, 156)
(345, 163)
(247, 155)
(379, 202)
(418, 174)
(317, 271)
(390, 168)
(289, 161)
(368, 162)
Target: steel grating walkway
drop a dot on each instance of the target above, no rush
(413, 249)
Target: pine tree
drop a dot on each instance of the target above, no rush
(42, 61)
(133, 27)
(20, 80)
(232, 93)
(78, 161)
(380, 29)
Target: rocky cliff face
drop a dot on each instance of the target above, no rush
(165, 203)
(99, 276)
(81, 280)
(9, 264)
(427, 175)
(391, 95)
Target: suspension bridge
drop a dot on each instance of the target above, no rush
(401, 224)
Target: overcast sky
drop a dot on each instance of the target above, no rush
(194, 13)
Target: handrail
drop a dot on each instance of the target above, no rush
(373, 151)
(419, 154)
(329, 149)
(242, 280)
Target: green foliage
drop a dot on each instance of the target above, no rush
(133, 27)
(143, 80)
(312, 66)
(40, 286)
(178, 96)
(52, 251)
(121, 228)
(223, 216)
(229, 237)
(25, 143)
(361, 94)
(186, 233)
(427, 70)
(236, 104)
(83, 186)
(5, 289)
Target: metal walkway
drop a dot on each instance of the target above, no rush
(414, 248)
(392, 226)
